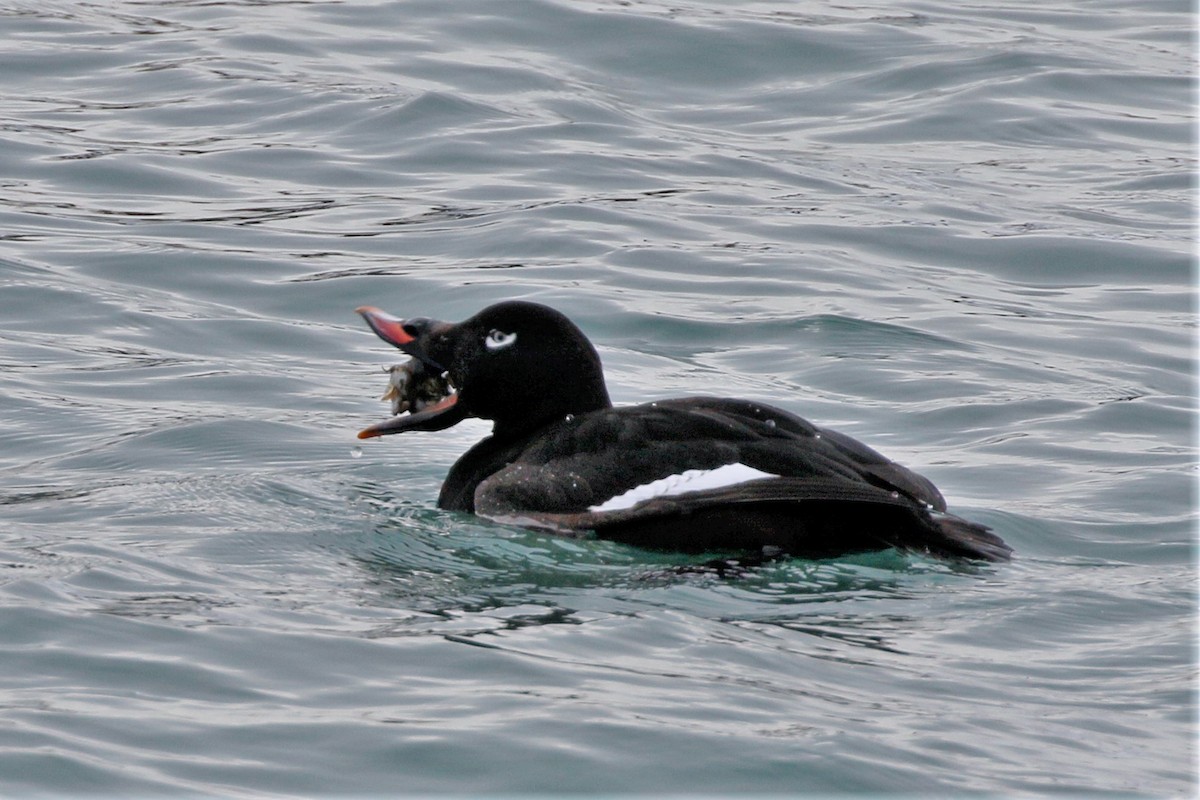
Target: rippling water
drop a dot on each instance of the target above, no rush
(962, 233)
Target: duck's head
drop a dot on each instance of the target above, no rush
(517, 363)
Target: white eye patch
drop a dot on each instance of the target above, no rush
(498, 340)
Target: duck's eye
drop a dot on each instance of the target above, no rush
(498, 340)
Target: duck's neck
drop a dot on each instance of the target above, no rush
(537, 416)
(472, 468)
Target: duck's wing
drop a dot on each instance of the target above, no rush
(700, 474)
(734, 507)
(806, 443)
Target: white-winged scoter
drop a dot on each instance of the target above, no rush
(695, 474)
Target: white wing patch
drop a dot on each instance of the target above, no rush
(692, 480)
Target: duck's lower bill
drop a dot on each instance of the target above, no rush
(420, 399)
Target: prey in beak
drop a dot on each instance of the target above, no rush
(422, 397)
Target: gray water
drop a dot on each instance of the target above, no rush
(963, 233)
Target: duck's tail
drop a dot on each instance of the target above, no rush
(966, 539)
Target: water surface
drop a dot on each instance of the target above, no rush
(963, 234)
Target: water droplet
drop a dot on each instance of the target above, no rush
(817, 436)
(570, 417)
(770, 423)
(896, 494)
(356, 452)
